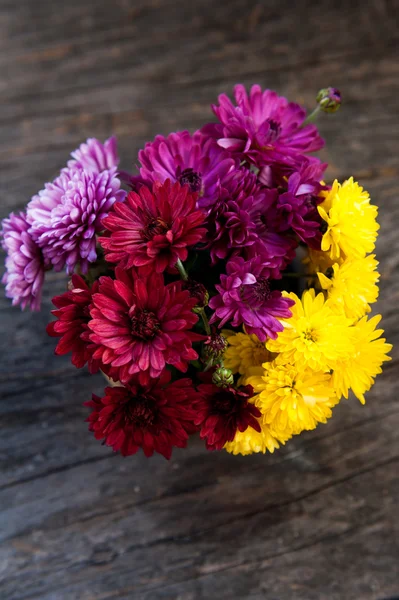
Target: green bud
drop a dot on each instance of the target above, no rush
(223, 377)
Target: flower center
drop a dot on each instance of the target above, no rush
(261, 289)
(274, 129)
(223, 402)
(155, 227)
(144, 325)
(192, 179)
(309, 335)
(140, 410)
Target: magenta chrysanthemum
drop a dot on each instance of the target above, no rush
(297, 207)
(193, 160)
(245, 297)
(139, 325)
(155, 417)
(67, 214)
(25, 264)
(263, 127)
(153, 229)
(94, 156)
(73, 314)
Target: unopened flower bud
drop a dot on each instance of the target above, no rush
(213, 349)
(329, 99)
(198, 291)
(223, 377)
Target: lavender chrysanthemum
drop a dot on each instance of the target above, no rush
(67, 214)
(25, 266)
(263, 127)
(245, 298)
(94, 156)
(193, 160)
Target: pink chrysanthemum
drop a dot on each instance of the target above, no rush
(193, 160)
(155, 417)
(221, 412)
(25, 264)
(73, 314)
(245, 298)
(139, 325)
(67, 214)
(263, 127)
(153, 229)
(94, 156)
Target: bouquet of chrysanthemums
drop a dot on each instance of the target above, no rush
(222, 288)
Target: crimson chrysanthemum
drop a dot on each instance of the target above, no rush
(221, 412)
(139, 324)
(73, 314)
(155, 417)
(153, 228)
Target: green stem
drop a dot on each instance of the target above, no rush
(205, 321)
(310, 118)
(182, 271)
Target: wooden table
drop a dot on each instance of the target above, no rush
(317, 520)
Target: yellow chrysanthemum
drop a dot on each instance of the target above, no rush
(314, 336)
(244, 352)
(251, 441)
(291, 399)
(352, 286)
(317, 260)
(370, 351)
(350, 221)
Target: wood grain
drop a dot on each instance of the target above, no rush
(316, 520)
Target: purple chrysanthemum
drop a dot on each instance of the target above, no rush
(94, 156)
(297, 207)
(263, 127)
(193, 160)
(245, 298)
(229, 223)
(25, 266)
(67, 214)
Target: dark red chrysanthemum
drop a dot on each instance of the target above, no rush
(223, 411)
(73, 314)
(155, 417)
(139, 325)
(153, 228)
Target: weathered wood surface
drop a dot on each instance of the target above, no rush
(315, 521)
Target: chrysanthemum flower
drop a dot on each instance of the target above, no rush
(351, 286)
(229, 223)
(73, 315)
(263, 127)
(297, 206)
(243, 353)
(193, 160)
(245, 298)
(314, 336)
(94, 156)
(292, 399)
(153, 229)
(139, 325)
(25, 264)
(359, 370)
(156, 417)
(350, 221)
(251, 441)
(67, 214)
(221, 412)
